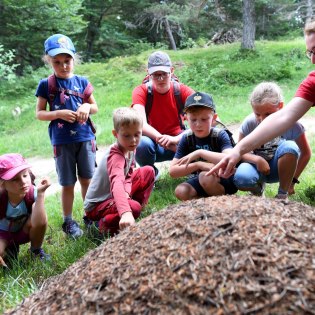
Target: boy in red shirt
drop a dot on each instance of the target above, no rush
(117, 192)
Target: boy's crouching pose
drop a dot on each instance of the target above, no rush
(199, 150)
(117, 192)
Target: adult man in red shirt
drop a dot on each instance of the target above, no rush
(162, 128)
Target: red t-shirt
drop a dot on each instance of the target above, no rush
(164, 115)
(306, 89)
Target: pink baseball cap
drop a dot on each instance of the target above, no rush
(12, 164)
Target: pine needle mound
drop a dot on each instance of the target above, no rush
(218, 255)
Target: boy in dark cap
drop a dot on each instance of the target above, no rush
(196, 153)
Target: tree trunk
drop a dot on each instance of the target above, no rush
(309, 11)
(169, 34)
(249, 25)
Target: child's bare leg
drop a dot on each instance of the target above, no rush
(211, 184)
(286, 170)
(185, 191)
(37, 223)
(67, 197)
(84, 182)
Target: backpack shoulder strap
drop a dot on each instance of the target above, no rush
(87, 92)
(179, 103)
(3, 203)
(190, 137)
(29, 199)
(52, 89)
(149, 103)
(214, 136)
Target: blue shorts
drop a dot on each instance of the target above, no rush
(73, 157)
(227, 183)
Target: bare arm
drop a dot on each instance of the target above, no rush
(271, 127)
(305, 155)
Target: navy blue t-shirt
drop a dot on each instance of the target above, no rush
(61, 131)
(184, 147)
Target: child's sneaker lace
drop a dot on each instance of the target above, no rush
(71, 228)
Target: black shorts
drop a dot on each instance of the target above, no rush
(227, 183)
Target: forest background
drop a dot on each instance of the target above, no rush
(224, 48)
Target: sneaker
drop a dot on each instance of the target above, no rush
(87, 222)
(157, 174)
(71, 228)
(259, 190)
(283, 197)
(40, 254)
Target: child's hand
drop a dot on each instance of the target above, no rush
(2, 263)
(67, 115)
(204, 166)
(167, 142)
(126, 220)
(43, 185)
(193, 156)
(83, 112)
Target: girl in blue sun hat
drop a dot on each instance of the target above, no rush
(67, 101)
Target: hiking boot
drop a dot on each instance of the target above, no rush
(259, 190)
(71, 228)
(40, 254)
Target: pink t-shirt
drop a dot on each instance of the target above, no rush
(164, 115)
(306, 89)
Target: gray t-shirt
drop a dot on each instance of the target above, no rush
(268, 149)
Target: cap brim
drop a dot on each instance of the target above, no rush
(159, 68)
(199, 105)
(13, 172)
(58, 51)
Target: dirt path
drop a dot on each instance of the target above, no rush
(46, 167)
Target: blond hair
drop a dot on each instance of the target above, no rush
(309, 28)
(126, 116)
(48, 59)
(266, 93)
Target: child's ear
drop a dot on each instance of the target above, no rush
(215, 116)
(281, 104)
(114, 132)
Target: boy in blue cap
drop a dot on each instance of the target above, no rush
(196, 153)
(71, 102)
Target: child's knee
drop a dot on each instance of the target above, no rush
(185, 192)
(135, 208)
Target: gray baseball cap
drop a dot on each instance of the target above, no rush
(159, 61)
(199, 99)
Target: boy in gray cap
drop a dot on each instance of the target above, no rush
(197, 153)
(160, 102)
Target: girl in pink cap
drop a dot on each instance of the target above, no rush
(23, 217)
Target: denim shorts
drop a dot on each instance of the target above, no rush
(227, 183)
(72, 158)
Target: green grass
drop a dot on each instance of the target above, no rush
(221, 71)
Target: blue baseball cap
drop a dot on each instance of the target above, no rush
(59, 44)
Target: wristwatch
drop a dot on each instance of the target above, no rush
(295, 180)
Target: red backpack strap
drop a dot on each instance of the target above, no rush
(29, 199)
(3, 203)
(52, 89)
(87, 92)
